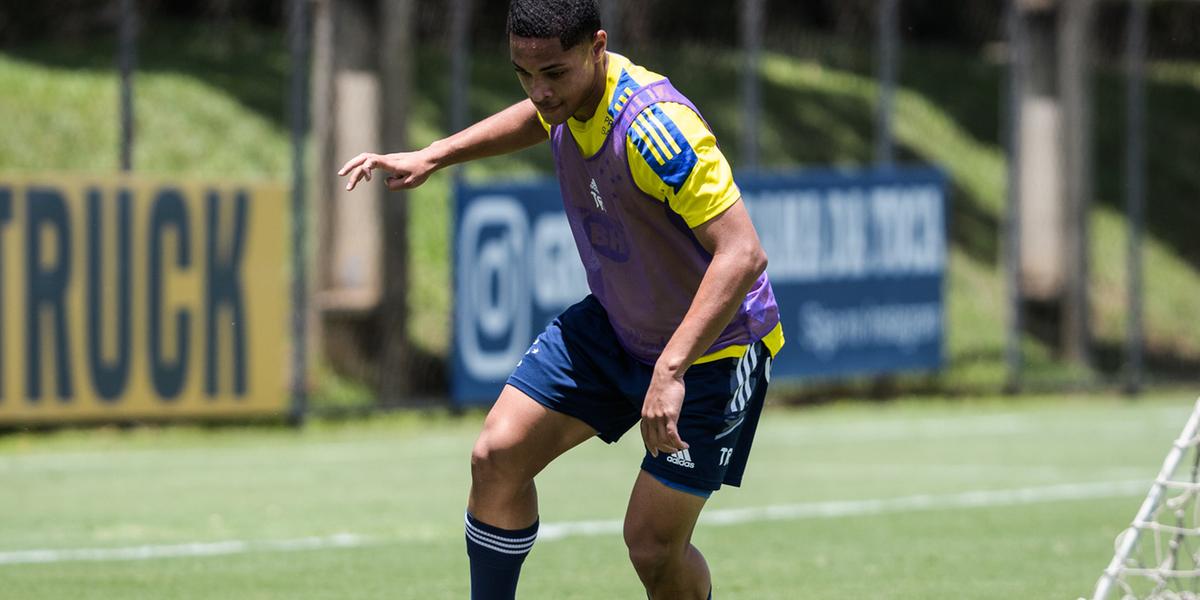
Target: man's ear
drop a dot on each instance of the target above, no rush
(599, 44)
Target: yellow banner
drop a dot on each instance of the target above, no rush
(130, 298)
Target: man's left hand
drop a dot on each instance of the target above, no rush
(660, 414)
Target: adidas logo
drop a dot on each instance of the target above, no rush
(595, 190)
(682, 458)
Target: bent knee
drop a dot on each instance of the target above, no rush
(648, 551)
(494, 459)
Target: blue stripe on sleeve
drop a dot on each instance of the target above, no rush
(676, 165)
(626, 86)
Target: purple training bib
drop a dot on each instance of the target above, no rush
(643, 262)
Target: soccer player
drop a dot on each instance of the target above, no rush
(679, 329)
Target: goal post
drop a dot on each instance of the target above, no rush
(1158, 556)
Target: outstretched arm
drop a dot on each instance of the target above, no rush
(509, 130)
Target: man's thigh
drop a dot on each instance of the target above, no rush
(528, 434)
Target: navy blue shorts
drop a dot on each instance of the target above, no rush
(577, 367)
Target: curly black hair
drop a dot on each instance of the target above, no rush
(571, 21)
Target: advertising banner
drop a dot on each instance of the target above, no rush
(857, 262)
(856, 259)
(129, 298)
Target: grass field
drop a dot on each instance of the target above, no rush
(910, 499)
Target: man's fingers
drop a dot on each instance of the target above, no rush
(647, 439)
(363, 171)
(399, 182)
(670, 438)
(674, 439)
(355, 176)
(653, 438)
(663, 437)
(363, 162)
(660, 436)
(350, 164)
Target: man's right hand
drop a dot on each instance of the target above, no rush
(406, 170)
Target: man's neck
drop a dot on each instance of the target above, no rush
(588, 110)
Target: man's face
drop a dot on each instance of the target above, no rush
(559, 82)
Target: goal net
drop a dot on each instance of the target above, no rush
(1158, 556)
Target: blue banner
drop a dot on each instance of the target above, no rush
(515, 269)
(857, 261)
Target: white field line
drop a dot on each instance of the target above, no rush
(558, 531)
(848, 508)
(191, 549)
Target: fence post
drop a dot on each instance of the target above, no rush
(396, 61)
(887, 48)
(1012, 215)
(298, 109)
(751, 34)
(127, 61)
(1074, 74)
(460, 64)
(1135, 185)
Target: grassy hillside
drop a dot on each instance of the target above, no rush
(211, 103)
(207, 105)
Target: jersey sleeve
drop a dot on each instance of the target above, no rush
(674, 158)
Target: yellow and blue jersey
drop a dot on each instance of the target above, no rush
(672, 154)
(673, 157)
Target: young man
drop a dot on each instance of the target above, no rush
(681, 325)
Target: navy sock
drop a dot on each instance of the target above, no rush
(496, 555)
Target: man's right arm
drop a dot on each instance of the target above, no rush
(514, 128)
